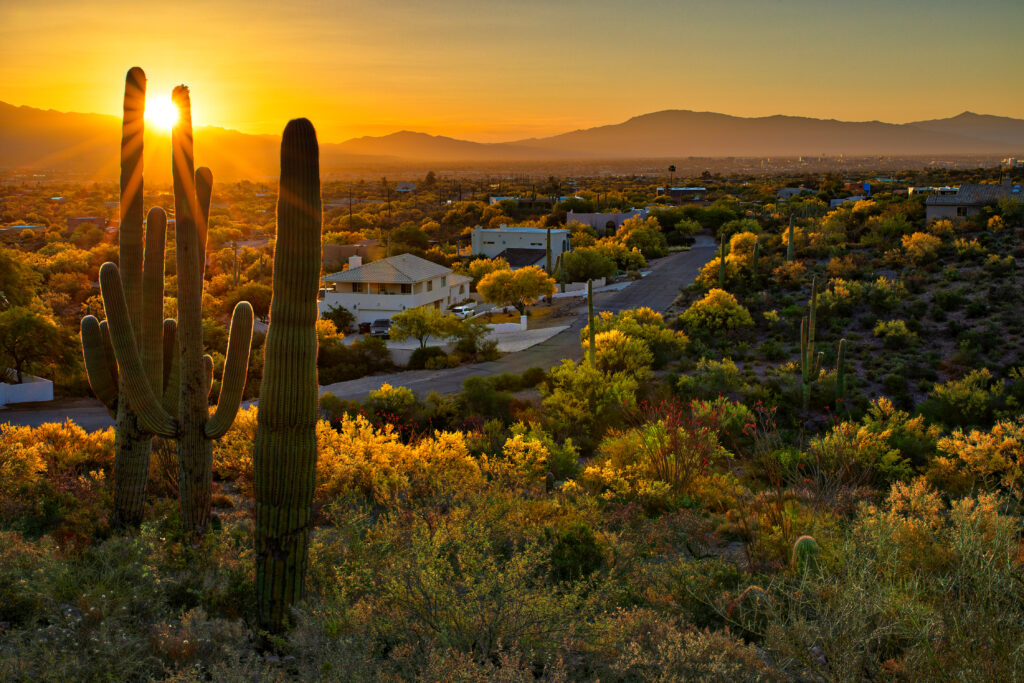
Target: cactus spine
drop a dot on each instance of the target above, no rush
(789, 245)
(810, 363)
(592, 351)
(285, 448)
(143, 277)
(171, 395)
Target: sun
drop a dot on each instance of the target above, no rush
(162, 113)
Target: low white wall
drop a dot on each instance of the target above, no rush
(31, 390)
(577, 286)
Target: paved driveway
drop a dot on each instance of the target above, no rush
(658, 290)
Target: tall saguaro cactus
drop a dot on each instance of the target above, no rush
(789, 246)
(177, 407)
(142, 274)
(592, 351)
(810, 362)
(285, 450)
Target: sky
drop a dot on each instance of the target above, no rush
(491, 70)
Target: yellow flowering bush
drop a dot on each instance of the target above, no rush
(921, 247)
(616, 352)
(979, 459)
(718, 310)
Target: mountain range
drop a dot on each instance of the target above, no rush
(36, 139)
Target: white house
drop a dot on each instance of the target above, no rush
(520, 246)
(382, 288)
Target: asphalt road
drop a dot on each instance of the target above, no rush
(657, 291)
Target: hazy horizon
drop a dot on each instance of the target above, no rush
(502, 71)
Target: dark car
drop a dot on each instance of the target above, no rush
(381, 328)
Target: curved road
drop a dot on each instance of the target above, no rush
(658, 290)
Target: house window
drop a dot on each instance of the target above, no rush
(406, 289)
(961, 211)
(358, 287)
(444, 280)
(430, 285)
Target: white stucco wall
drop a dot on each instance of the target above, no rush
(31, 390)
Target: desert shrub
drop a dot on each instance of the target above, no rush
(921, 247)
(618, 353)
(991, 460)
(885, 295)
(644, 324)
(339, 362)
(533, 376)
(734, 420)
(581, 402)
(969, 249)
(840, 297)
(895, 334)
(790, 274)
(928, 591)
(710, 379)
(913, 437)
(717, 311)
(710, 272)
(422, 356)
(999, 266)
(561, 459)
(341, 317)
(849, 267)
(575, 552)
(969, 401)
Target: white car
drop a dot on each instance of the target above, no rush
(465, 310)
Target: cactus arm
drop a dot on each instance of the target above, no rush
(108, 350)
(207, 375)
(96, 364)
(130, 233)
(841, 371)
(204, 193)
(153, 298)
(236, 366)
(139, 393)
(171, 367)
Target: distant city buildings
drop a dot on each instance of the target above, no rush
(683, 194)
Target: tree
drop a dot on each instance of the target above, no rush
(255, 293)
(340, 316)
(30, 338)
(421, 323)
(645, 235)
(518, 288)
(480, 267)
(588, 263)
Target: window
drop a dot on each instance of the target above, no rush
(430, 285)
(406, 289)
(961, 211)
(444, 280)
(359, 287)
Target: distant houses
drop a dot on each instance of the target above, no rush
(969, 199)
(381, 289)
(683, 194)
(604, 223)
(519, 245)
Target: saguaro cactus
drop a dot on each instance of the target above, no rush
(810, 363)
(757, 254)
(547, 252)
(285, 449)
(789, 245)
(181, 410)
(143, 281)
(841, 372)
(592, 351)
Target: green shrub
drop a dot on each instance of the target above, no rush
(423, 355)
(966, 402)
(717, 311)
(895, 334)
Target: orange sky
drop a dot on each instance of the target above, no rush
(490, 71)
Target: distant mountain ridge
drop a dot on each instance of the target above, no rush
(88, 143)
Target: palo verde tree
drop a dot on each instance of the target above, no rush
(518, 288)
(422, 323)
(181, 411)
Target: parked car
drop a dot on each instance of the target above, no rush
(364, 328)
(381, 328)
(465, 310)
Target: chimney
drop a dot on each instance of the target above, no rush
(354, 262)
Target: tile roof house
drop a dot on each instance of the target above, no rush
(382, 288)
(969, 200)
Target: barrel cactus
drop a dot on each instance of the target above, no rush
(805, 554)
